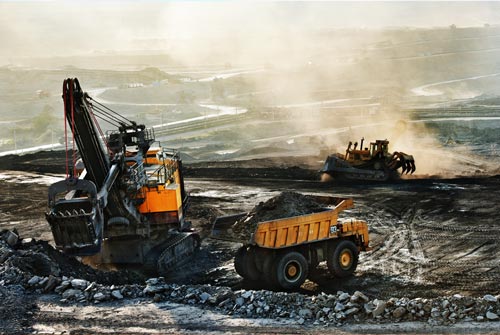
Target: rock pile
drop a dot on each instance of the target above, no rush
(321, 309)
(327, 309)
(286, 204)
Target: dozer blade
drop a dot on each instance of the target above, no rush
(76, 218)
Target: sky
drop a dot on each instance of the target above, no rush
(47, 28)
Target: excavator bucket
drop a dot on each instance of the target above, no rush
(75, 216)
(221, 228)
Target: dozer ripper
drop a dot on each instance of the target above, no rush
(375, 163)
(126, 206)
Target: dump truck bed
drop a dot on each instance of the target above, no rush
(291, 231)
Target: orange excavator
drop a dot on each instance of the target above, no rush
(126, 207)
(374, 163)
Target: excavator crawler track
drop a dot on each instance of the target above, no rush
(179, 247)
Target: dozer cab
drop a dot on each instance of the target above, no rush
(370, 163)
(126, 207)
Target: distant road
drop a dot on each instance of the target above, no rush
(426, 90)
(32, 149)
(332, 131)
(218, 110)
(229, 75)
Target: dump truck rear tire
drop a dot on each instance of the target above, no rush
(342, 258)
(291, 270)
(244, 264)
(269, 272)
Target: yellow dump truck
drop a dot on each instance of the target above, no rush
(281, 252)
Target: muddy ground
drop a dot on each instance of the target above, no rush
(431, 237)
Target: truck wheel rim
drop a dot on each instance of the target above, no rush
(345, 259)
(292, 271)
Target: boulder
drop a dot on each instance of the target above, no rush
(51, 284)
(34, 280)
(204, 297)
(339, 307)
(79, 284)
(399, 312)
(305, 313)
(491, 316)
(344, 296)
(116, 294)
(71, 293)
(379, 308)
(490, 298)
(99, 296)
(359, 297)
(11, 238)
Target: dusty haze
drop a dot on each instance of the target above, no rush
(359, 53)
(55, 28)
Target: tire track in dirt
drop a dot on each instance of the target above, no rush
(398, 251)
(469, 266)
(431, 249)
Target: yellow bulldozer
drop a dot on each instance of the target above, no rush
(374, 163)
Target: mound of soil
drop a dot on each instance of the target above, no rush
(287, 204)
(24, 259)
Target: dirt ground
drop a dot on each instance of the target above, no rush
(430, 238)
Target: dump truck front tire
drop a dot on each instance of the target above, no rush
(291, 270)
(342, 258)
